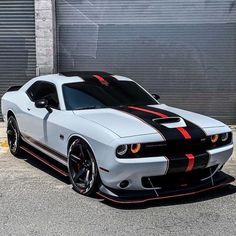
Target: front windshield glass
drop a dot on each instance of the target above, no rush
(85, 95)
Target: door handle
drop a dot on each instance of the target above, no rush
(28, 109)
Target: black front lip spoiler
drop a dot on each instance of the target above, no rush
(220, 179)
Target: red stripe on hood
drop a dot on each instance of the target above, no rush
(182, 130)
(149, 111)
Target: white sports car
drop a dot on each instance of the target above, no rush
(115, 139)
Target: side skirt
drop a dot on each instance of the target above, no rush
(58, 167)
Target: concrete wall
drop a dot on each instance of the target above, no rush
(45, 36)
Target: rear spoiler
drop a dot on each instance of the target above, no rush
(14, 88)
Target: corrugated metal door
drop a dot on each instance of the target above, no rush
(17, 43)
(184, 50)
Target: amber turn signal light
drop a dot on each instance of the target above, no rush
(135, 148)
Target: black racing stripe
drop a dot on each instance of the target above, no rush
(195, 131)
(177, 164)
(169, 134)
(91, 77)
(200, 160)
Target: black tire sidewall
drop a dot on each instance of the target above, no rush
(17, 151)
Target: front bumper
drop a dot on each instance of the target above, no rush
(220, 179)
(133, 170)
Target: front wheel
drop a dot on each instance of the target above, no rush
(13, 136)
(82, 168)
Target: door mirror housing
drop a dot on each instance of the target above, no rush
(43, 103)
(156, 96)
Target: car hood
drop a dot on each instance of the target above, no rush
(125, 123)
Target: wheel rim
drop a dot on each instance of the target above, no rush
(12, 135)
(82, 167)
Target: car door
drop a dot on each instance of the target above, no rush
(35, 120)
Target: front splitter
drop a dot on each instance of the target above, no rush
(220, 179)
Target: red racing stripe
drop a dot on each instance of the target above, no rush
(190, 162)
(184, 132)
(149, 111)
(102, 80)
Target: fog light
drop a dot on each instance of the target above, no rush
(121, 150)
(135, 148)
(224, 137)
(124, 183)
(214, 138)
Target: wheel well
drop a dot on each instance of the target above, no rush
(72, 139)
(10, 113)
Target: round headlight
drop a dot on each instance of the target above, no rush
(214, 138)
(135, 148)
(121, 150)
(224, 137)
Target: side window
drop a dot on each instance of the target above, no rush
(32, 90)
(44, 90)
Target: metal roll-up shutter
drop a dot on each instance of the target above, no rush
(17, 43)
(183, 50)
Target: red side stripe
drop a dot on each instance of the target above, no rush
(152, 112)
(190, 162)
(184, 132)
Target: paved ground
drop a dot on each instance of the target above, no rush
(36, 201)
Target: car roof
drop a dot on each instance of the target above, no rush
(76, 76)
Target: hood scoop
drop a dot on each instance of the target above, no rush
(170, 122)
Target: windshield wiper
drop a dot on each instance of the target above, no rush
(85, 108)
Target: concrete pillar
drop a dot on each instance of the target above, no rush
(45, 37)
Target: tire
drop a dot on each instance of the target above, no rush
(13, 136)
(82, 168)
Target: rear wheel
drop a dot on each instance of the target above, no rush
(13, 136)
(82, 168)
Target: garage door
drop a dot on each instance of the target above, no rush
(183, 50)
(17, 43)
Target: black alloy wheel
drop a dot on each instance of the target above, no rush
(13, 136)
(82, 168)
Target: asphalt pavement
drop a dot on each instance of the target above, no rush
(34, 200)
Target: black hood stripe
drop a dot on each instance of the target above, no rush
(149, 117)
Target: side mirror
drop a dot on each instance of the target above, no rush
(43, 103)
(156, 96)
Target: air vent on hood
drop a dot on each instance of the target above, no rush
(166, 120)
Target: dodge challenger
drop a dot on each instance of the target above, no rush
(115, 139)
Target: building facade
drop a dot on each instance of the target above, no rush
(183, 50)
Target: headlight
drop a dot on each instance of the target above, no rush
(214, 138)
(121, 150)
(224, 137)
(128, 150)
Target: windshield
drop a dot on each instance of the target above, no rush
(85, 95)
